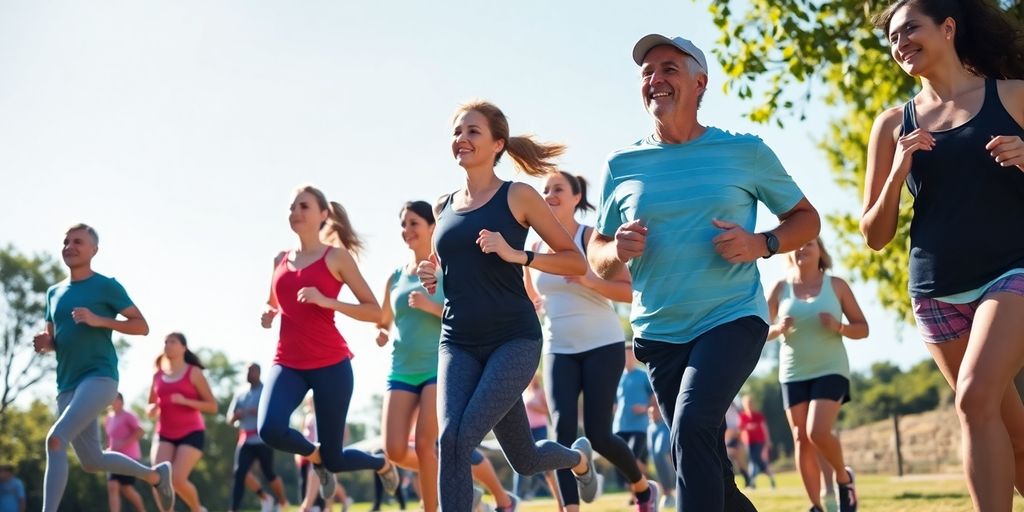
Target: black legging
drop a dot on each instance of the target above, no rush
(245, 455)
(595, 373)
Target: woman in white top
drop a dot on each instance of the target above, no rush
(584, 344)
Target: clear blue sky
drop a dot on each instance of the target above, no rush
(179, 130)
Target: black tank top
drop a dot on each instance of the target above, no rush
(968, 225)
(485, 299)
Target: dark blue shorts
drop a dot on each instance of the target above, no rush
(196, 439)
(827, 387)
(397, 385)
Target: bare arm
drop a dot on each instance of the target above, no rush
(206, 403)
(267, 319)
(776, 328)
(796, 227)
(856, 327)
(387, 315)
(530, 209)
(367, 309)
(618, 287)
(133, 323)
(887, 168)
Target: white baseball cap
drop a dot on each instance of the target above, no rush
(649, 41)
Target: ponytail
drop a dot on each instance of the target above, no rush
(579, 187)
(532, 157)
(529, 156)
(337, 229)
(190, 357)
(988, 41)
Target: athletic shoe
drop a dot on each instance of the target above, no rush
(513, 507)
(587, 482)
(327, 482)
(390, 478)
(651, 505)
(848, 494)
(814, 508)
(165, 487)
(478, 496)
(268, 504)
(668, 502)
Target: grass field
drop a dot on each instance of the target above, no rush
(945, 493)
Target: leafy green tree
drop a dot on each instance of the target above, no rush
(23, 283)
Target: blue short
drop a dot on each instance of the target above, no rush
(397, 385)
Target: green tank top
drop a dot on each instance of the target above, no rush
(811, 350)
(416, 334)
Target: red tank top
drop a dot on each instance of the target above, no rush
(176, 420)
(309, 339)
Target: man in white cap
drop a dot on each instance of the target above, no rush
(678, 208)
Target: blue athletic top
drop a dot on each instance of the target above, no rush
(485, 299)
(968, 210)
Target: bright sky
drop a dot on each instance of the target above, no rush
(179, 130)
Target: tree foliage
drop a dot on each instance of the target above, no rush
(23, 283)
(788, 56)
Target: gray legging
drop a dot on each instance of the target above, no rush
(76, 424)
(481, 389)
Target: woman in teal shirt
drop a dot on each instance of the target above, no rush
(807, 308)
(412, 383)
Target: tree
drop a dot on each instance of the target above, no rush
(23, 283)
(790, 55)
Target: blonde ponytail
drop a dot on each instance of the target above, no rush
(532, 157)
(337, 229)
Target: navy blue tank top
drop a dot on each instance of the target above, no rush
(485, 299)
(968, 225)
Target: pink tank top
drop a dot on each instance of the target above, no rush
(309, 339)
(176, 420)
(120, 429)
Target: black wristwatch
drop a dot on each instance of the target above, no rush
(772, 242)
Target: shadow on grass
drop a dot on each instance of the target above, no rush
(930, 496)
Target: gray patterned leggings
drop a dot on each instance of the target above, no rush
(481, 389)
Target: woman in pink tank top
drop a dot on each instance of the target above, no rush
(177, 399)
(311, 353)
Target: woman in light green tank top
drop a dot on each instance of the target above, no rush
(807, 308)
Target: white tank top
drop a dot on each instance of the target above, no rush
(577, 318)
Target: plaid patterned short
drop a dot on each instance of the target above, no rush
(939, 321)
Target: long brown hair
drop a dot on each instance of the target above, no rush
(190, 357)
(529, 156)
(988, 41)
(337, 229)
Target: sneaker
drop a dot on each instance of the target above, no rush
(267, 504)
(389, 477)
(586, 483)
(513, 507)
(327, 482)
(478, 496)
(814, 508)
(165, 487)
(848, 494)
(668, 502)
(651, 505)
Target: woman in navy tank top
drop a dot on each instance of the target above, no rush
(490, 339)
(957, 144)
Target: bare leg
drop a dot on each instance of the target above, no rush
(806, 455)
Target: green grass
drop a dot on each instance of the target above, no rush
(877, 493)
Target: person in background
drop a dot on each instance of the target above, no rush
(123, 435)
(12, 490)
(755, 435)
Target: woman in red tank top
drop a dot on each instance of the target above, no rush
(177, 399)
(311, 353)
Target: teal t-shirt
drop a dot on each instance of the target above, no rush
(417, 333)
(681, 287)
(84, 351)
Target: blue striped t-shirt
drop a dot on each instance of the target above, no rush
(682, 288)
